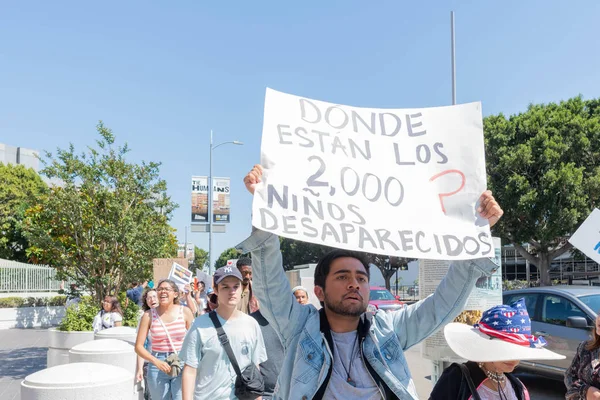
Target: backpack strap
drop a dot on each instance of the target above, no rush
(225, 342)
(467, 376)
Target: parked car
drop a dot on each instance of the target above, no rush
(564, 316)
(382, 299)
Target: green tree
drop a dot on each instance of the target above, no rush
(107, 220)
(544, 169)
(200, 259)
(388, 265)
(229, 254)
(19, 188)
(296, 252)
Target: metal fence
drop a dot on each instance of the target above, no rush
(406, 292)
(27, 278)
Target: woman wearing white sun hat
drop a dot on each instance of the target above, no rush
(494, 347)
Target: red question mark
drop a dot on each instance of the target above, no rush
(442, 195)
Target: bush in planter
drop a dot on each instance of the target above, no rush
(11, 302)
(57, 301)
(80, 316)
(19, 302)
(130, 312)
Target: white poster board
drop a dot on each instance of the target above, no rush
(486, 294)
(587, 238)
(401, 182)
(180, 275)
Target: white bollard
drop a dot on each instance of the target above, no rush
(59, 344)
(125, 333)
(109, 351)
(105, 351)
(90, 381)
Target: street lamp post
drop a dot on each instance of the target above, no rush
(210, 199)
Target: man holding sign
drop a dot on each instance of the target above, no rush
(339, 352)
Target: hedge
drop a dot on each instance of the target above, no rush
(19, 302)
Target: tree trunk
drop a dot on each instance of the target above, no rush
(387, 276)
(388, 284)
(544, 269)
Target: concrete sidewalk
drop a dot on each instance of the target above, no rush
(420, 370)
(23, 352)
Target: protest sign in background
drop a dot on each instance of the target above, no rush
(180, 275)
(401, 182)
(161, 267)
(587, 236)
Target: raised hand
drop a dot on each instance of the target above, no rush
(489, 208)
(253, 177)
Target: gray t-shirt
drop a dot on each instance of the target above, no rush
(215, 377)
(347, 359)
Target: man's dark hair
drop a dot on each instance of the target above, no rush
(324, 264)
(244, 261)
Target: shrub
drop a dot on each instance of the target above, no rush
(130, 313)
(18, 302)
(80, 316)
(11, 302)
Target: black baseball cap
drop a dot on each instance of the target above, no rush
(224, 272)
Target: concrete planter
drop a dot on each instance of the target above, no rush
(61, 342)
(125, 333)
(112, 352)
(31, 317)
(90, 381)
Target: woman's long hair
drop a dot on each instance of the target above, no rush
(115, 306)
(145, 305)
(594, 342)
(173, 286)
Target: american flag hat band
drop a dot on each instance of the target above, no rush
(510, 323)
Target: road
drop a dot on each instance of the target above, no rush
(539, 388)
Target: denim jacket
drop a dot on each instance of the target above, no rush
(308, 356)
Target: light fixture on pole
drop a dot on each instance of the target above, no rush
(210, 200)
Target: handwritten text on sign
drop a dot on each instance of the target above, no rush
(385, 181)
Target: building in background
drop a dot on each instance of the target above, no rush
(20, 156)
(189, 254)
(568, 267)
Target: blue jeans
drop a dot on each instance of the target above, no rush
(161, 385)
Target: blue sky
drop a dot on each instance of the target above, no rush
(162, 74)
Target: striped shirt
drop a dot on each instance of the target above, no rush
(160, 340)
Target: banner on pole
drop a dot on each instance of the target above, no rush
(199, 199)
(401, 182)
(221, 200)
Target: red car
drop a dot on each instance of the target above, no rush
(382, 299)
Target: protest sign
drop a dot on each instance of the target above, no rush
(162, 266)
(587, 236)
(199, 199)
(401, 182)
(180, 275)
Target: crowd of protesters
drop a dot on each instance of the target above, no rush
(249, 336)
